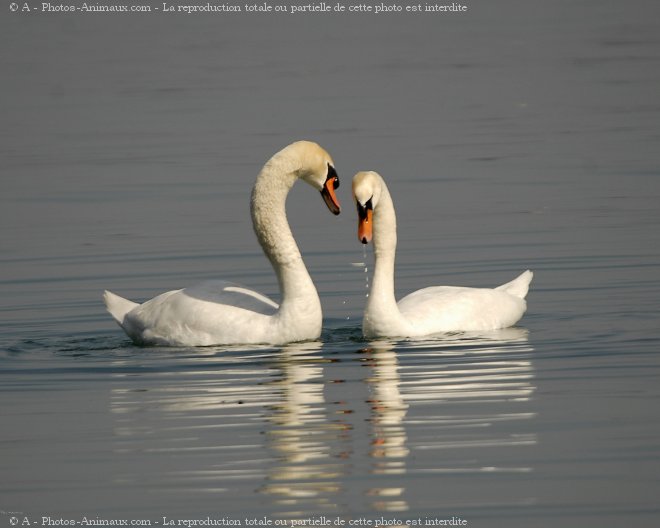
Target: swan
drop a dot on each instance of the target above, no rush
(430, 310)
(224, 313)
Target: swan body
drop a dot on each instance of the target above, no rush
(224, 313)
(430, 310)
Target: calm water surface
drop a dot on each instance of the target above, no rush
(521, 136)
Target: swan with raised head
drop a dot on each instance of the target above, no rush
(222, 313)
(430, 310)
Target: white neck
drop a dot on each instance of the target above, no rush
(382, 302)
(299, 298)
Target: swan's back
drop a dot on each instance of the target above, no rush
(452, 308)
(210, 313)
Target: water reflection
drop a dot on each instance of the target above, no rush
(388, 411)
(490, 367)
(184, 420)
(452, 402)
(296, 425)
(305, 475)
(387, 407)
(487, 372)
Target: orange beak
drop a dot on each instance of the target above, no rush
(365, 225)
(329, 195)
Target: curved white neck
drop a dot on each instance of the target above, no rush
(381, 297)
(268, 208)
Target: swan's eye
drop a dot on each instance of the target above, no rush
(335, 183)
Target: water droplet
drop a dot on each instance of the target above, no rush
(366, 269)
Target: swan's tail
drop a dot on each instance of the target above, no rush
(117, 306)
(518, 286)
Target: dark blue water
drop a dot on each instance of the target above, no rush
(523, 135)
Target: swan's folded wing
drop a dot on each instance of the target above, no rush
(232, 294)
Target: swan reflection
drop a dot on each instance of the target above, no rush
(388, 411)
(305, 475)
(464, 392)
(310, 428)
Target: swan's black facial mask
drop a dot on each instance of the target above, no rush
(328, 192)
(365, 221)
(363, 209)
